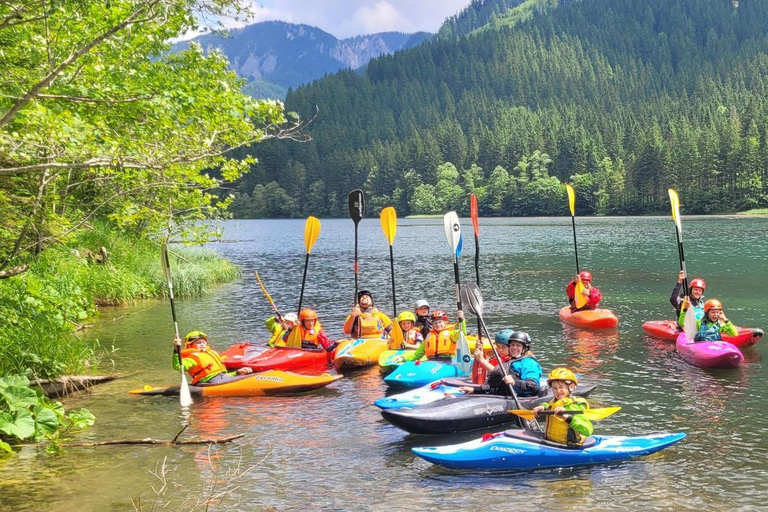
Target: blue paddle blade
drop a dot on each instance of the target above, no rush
(458, 247)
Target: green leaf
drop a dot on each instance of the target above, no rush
(46, 421)
(5, 446)
(17, 398)
(81, 418)
(20, 426)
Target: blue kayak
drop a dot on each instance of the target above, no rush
(424, 395)
(414, 374)
(525, 450)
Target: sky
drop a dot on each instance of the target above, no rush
(347, 18)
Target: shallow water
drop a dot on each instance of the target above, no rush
(331, 450)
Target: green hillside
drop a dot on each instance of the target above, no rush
(622, 99)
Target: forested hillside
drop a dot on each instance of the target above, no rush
(623, 99)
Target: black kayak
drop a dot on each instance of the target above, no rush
(466, 412)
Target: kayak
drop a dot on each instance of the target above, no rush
(467, 412)
(426, 394)
(276, 358)
(414, 374)
(668, 330)
(589, 318)
(389, 360)
(359, 352)
(526, 450)
(708, 354)
(271, 382)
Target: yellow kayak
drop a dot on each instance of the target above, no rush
(360, 352)
(271, 382)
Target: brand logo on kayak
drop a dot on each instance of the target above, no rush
(514, 451)
(436, 368)
(488, 409)
(267, 377)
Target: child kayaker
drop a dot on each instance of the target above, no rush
(714, 324)
(204, 364)
(411, 335)
(310, 331)
(695, 295)
(278, 328)
(441, 341)
(591, 293)
(561, 427)
(423, 322)
(366, 321)
(524, 371)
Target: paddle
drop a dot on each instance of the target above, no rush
(474, 300)
(474, 214)
(453, 234)
(578, 295)
(184, 395)
(389, 225)
(689, 323)
(590, 414)
(356, 211)
(272, 302)
(311, 232)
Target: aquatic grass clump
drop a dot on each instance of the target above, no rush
(196, 271)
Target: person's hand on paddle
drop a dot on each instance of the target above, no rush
(537, 410)
(467, 390)
(479, 353)
(460, 314)
(356, 311)
(681, 276)
(177, 342)
(509, 379)
(244, 370)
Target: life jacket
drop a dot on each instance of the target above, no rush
(439, 344)
(207, 364)
(709, 331)
(698, 310)
(557, 429)
(309, 338)
(479, 373)
(371, 325)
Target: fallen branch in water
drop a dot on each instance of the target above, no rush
(149, 440)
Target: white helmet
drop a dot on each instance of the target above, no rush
(421, 303)
(290, 317)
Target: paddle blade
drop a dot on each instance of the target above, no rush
(472, 297)
(674, 200)
(263, 288)
(294, 338)
(396, 337)
(311, 232)
(453, 232)
(463, 355)
(590, 414)
(578, 296)
(389, 223)
(571, 198)
(356, 205)
(185, 397)
(473, 213)
(689, 323)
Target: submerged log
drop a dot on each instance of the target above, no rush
(67, 384)
(149, 440)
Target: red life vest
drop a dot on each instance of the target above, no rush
(207, 363)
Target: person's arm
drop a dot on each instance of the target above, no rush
(578, 422)
(495, 384)
(349, 323)
(420, 351)
(594, 296)
(676, 297)
(570, 290)
(728, 328)
(530, 377)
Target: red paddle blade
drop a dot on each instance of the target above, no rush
(474, 214)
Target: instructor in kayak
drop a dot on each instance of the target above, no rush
(204, 364)
(366, 321)
(591, 293)
(695, 296)
(524, 371)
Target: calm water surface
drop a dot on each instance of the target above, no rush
(330, 449)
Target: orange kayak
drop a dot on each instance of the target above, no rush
(589, 318)
(272, 382)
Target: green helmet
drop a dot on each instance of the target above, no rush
(193, 336)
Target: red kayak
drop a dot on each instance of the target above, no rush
(276, 358)
(668, 330)
(589, 318)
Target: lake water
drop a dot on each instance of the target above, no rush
(331, 450)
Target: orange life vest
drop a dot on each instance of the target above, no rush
(372, 324)
(207, 363)
(439, 344)
(310, 337)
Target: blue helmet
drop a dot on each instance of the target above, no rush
(508, 336)
(503, 336)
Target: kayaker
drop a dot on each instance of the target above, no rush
(713, 324)
(204, 364)
(412, 337)
(423, 322)
(561, 427)
(310, 330)
(441, 341)
(278, 328)
(524, 371)
(695, 296)
(592, 294)
(367, 321)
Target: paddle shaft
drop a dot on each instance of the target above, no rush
(458, 282)
(169, 280)
(392, 267)
(575, 247)
(477, 277)
(303, 281)
(269, 298)
(681, 255)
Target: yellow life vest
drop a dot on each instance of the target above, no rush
(207, 363)
(439, 344)
(372, 324)
(556, 429)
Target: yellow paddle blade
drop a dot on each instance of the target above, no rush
(590, 414)
(674, 200)
(294, 338)
(311, 232)
(396, 337)
(571, 198)
(389, 223)
(578, 296)
(263, 288)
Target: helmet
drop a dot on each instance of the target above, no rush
(364, 292)
(439, 314)
(405, 316)
(698, 283)
(307, 314)
(290, 317)
(193, 336)
(563, 374)
(585, 276)
(421, 303)
(521, 337)
(503, 336)
(712, 304)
